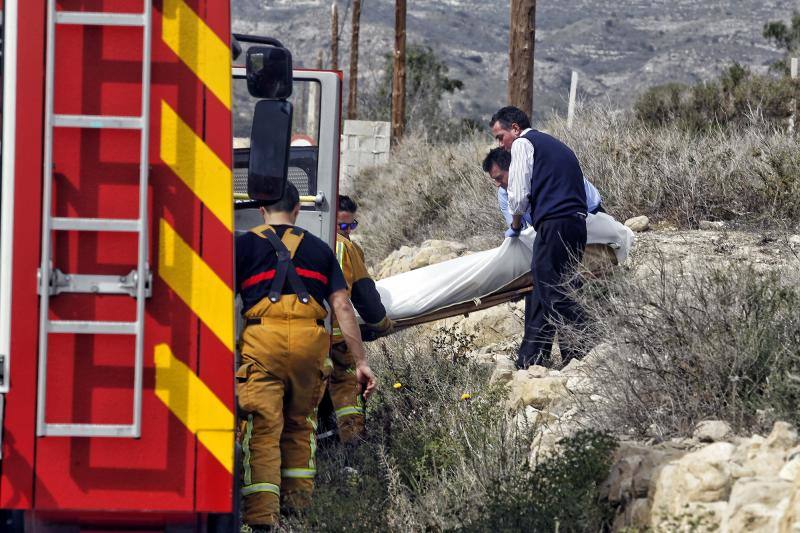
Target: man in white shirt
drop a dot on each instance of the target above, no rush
(545, 181)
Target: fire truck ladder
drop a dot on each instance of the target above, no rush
(53, 281)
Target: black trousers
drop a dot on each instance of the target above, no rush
(559, 244)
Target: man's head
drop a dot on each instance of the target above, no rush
(496, 164)
(288, 205)
(507, 124)
(346, 215)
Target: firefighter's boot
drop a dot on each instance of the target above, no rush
(345, 394)
(280, 382)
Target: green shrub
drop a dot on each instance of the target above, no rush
(559, 494)
(435, 460)
(733, 99)
(717, 342)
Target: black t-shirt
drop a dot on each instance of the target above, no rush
(314, 261)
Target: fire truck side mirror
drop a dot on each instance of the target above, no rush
(269, 72)
(270, 139)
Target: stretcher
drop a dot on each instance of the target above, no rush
(489, 278)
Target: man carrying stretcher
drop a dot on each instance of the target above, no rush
(545, 184)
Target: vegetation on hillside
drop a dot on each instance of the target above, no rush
(444, 454)
(748, 173)
(714, 342)
(735, 99)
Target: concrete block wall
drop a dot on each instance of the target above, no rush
(364, 144)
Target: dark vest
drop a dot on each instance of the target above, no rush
(557, 188)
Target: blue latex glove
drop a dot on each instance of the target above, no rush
(513, 233)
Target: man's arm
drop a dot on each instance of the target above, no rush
(346, 318)
(365, 296)
(593, 198)
(519, 178)
(502, 203)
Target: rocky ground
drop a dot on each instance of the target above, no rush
(711, 480)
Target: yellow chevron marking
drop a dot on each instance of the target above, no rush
(198, 47)
(197, 165)
(189, 399)
(196, 284)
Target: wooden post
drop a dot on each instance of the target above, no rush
(521, 39)
(334, 36)
(573, 93)
(399, 71)
(352, 98)
(793, 117)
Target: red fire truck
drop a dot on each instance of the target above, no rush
(117, 223)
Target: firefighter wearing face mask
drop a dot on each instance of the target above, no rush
(284, 276)
(344, 394)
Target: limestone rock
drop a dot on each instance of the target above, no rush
(537, 371)
(489, 326)
(435, 251)
(711, 430)
(544, 444)
(428, 253)
(638, 224)
(791, 470)
(538, 392)
(699, 477)
(760, 457)
(573, 367)
(757, 504)
(503, 371)
(527, 418)
(709, 225)
(633, 469)
(790, 521)
(783, 437)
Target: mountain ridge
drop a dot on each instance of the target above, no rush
(619, 48)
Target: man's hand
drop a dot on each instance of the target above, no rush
(513, 233)
(366, 379)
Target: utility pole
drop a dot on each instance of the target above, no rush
(334, 37)
(352, 98)
(399, 71)
(522, 36)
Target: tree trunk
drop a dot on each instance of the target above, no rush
(352, 99)
(522, 36)
(399, 71)
(334, 37)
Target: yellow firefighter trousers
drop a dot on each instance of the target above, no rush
(345, 394)
(279, 384)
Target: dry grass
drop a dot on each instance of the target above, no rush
(428, 191)
(748, 174)
(436, 460)
(717, 342)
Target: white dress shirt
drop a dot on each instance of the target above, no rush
(519, 175)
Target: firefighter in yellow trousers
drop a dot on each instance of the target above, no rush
(343, 387)
(284, 275)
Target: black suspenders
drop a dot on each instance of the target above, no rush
(285, 269)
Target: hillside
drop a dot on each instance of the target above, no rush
(619, 47)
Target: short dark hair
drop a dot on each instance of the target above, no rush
(499, 157)
(509, 115)
(287, 203)
(347, 204)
